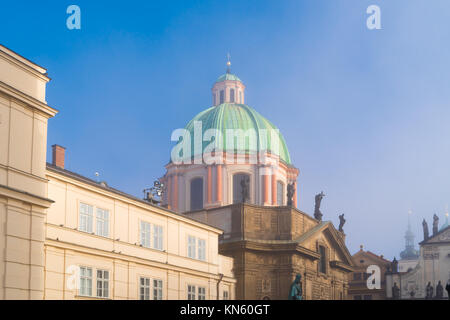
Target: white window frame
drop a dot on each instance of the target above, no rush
(201, 293)
(85, 278)
(192, 246)
(196, 248)
(102, 282)
(145, 286)
(145, 234)
(191, 292)
(86, 217)
(201, 245)
(158, 237)
(157, 289)
(102, 222)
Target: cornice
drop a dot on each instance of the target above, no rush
(27, 99)
(25, 196)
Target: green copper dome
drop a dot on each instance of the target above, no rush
(228, 76)
(239, 116)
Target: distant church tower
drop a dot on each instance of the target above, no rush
(410, 255)
(257, 169)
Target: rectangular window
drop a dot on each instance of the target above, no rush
(201, 293)
(191, 292)
(144, 288)
(201, 249)
(225, 295)
(358, 297)
(158, 237)
(322, 261)
(102, 283)
(86, 217)
(102, 221)
(145, 234)
(231, 95)
(157, 289)
(222, 96)
(367, 297)
(85, 281)
(191, 247)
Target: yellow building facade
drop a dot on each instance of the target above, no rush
(64, 236)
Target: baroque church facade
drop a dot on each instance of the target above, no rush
(249, 190)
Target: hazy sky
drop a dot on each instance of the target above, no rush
(365, 113)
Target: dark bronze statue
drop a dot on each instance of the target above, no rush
(296, 290)
(447, 287)
(435, 224)
(395, 292)
(429, 291)
(439, 290)
(394, 265)
(245, 185)
(425, 230)
(290, 193)
(341, 223)
(317, 214)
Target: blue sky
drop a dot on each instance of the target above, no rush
(365, 113)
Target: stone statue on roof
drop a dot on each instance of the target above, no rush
(290, 193)
(317, 214)
(435, 224)
(425, 230)
(245, 185)
(341, 223)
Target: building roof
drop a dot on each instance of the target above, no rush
(228, 76)
(369, 254)
(104, 186)
(239, 116)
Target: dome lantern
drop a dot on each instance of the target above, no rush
(228, 88)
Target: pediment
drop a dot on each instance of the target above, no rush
(441, 236)
(326, 232)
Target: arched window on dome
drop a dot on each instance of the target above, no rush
(232, 95)
(241, 181)
(280, 188)
(196, 194)
(222, 96)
